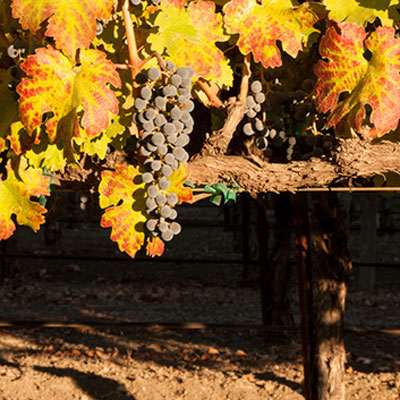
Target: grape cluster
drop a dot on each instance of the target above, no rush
(163, 115)
(266, 138)
(309, 145)
(153, 2)
(254, 125)
(280, 114)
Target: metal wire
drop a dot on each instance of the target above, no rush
(175, 325)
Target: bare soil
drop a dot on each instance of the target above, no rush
(150, 364)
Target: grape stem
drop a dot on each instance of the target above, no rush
(215, 101)
(244, 85)
(135, 63)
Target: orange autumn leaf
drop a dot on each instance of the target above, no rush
(374, 81)
(52, 76)
(260, 24)
(71, 23)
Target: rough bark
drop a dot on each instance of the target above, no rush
(330, 269)
(354, 159)
(219, 141)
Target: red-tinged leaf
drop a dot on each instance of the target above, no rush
(3, 145)
(126, 212)
(155, 247)
(375, 82)
(15, 199)
(19, 140)
(176, 3)
(188, 36)
(178, 178)
(71, 23)
(52, 76)
(260, 26)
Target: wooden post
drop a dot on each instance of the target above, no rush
(305, 291)
(365, 278)
(330, 270)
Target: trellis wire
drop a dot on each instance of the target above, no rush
(176, 325)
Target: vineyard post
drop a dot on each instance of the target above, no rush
(331, 267)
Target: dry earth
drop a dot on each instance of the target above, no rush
(152, 364)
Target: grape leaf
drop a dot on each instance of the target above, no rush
(155, 246)
(124, 201)
(99, 144)
(3, 144)
(72, 23)
(260, 26)
(15, 199)
(52, 76)
(188, 36)
(375, 82)
(47, 155)
(178, 178)
(362, 11)
(18, 138)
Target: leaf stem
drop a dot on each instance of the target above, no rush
(215, 101)
(244, 85)
(134, 60)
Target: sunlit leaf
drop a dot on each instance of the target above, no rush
(178, 178)
(47, 155)
(72, 23)
(261, 24)
(346, 70)
(155, 247)
(188, 37)
(125, 212)
(15, 199)
(51, 76)
(3, 144)
(99, 144)
(362, 11)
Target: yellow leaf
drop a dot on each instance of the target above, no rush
(72, 23)
(52, 76)
(15, 199)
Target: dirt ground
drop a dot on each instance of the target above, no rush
(153, 363)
